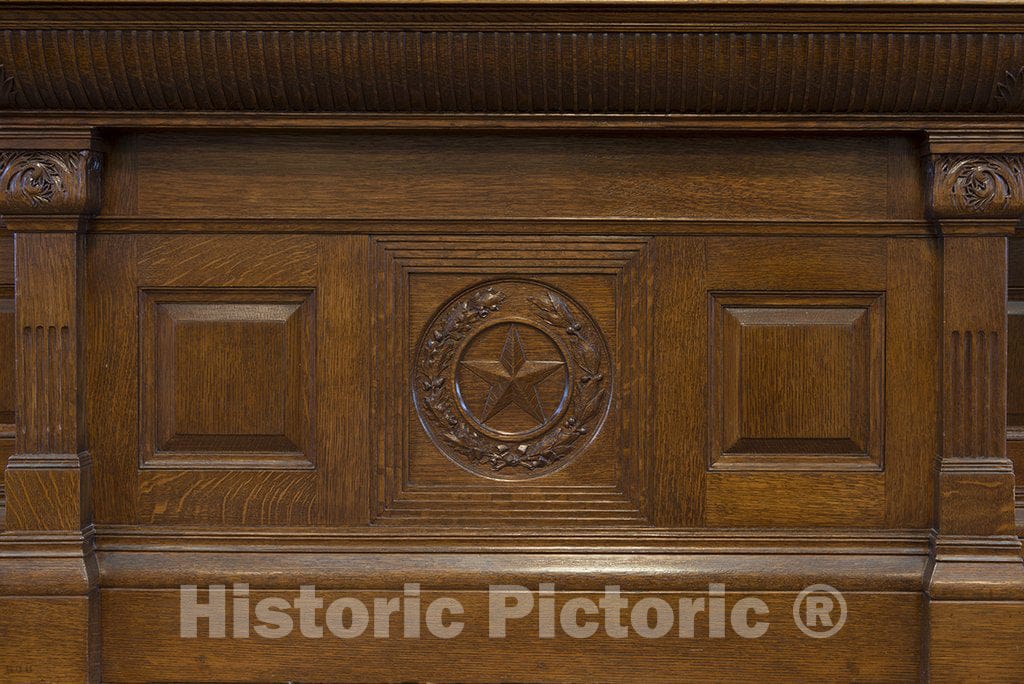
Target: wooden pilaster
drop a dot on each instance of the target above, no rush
(48, 188)
(976, 200)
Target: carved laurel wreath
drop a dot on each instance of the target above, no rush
(437, 397)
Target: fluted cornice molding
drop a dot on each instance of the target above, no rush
(514, 67)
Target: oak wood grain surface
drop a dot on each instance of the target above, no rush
(660, 295)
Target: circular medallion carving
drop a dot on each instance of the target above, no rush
(512, 379)
(982, 184)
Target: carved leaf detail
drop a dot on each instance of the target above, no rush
(587, 402)
(983, 184)
(48, 181)
(1010, 91)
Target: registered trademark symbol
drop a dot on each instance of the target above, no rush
(819, 611)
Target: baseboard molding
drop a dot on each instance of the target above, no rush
(976, 641)
(49, 639)
(459, 571)
(881, 641)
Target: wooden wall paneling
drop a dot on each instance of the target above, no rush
(58, 648)
(990, 649)
(635, 325)
(912, 380)
(453, 302)
(227, 378)
(345, 380)
(808, 292)
(242, 479)
(680, 387)
(759, 258)
(884, 624)
(112, 372)
(285, 295)
(453, 178)
(799, 381)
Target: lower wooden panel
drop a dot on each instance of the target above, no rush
(976, 641)
(46, 639)
(881, 641)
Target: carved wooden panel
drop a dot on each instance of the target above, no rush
(797, 381)
(774, 364)
(227, 378)
(528, 371)
(49, 181)
(217, 408)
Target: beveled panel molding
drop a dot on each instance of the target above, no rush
(226, 379)
(798, 381)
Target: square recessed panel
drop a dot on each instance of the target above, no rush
(797, 381)
(227, 379)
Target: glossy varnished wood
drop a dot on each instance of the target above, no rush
(652, 295)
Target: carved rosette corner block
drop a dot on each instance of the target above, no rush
(512, 379)
(965, 186)
(49, 181)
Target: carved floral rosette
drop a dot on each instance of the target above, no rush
(49, 181)
(564, 432)
(981, 186)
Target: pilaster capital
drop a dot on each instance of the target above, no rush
(49, 180)
(976, 182)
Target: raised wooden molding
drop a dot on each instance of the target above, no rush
(521, 65)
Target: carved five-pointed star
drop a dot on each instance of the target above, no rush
(512, 378)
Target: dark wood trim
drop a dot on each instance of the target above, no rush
(512, 66)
